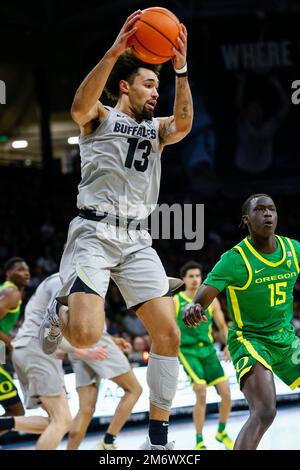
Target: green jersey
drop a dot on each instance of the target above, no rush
(199, 337)
(259, 286)
(12, 316)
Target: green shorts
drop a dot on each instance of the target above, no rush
(203, 370)
(8, 392)
(279, 352)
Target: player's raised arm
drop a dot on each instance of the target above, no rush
(176, 127)
(86, 105)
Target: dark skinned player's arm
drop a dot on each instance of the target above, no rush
(205, 295)
(9, 298)
(6, 339)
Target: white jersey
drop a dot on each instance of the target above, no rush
(120, 166)
(36, 309)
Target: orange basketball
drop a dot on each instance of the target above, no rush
(153, 42)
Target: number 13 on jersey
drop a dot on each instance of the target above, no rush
(135, 144)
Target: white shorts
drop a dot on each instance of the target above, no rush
(90, 372)
(38, 373)
(96, 251)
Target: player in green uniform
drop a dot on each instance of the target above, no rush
(17, 278)
(259, 274)
(198, 355)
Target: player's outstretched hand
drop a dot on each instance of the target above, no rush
(128, 29)
(193, 315)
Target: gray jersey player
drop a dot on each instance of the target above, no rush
(41, 376)
(120, 150)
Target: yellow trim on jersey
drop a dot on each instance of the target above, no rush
(294, 253)
(235, 307)
(244, 371)
(186, 297)
(6, 374)
(295, 384)
(245, 342)
(13, 393)
(14, 310)
(240, 249)
(261, 258)
(210, 311)
(210, 330)
(10, 284)
(232, 289)
(177, 304)
(190, 371)
(8, 395)
(218, 380)
(210, 333)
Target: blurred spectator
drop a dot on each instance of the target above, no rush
(3, 252)
(138, 344)
(197, 151)
(47, 230)
(46, 262)
(147, 340)
(256, 131)
(133, 325)
(112, 327)
(139, 355)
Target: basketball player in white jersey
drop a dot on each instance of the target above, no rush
(42, 382)
(40, 376)
(120, 160)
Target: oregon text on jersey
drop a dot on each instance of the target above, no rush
(275, 278)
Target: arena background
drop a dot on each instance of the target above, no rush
(239, 53)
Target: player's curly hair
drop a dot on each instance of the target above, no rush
(246, 206)
(125, 68)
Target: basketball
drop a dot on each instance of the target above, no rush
(156, 36)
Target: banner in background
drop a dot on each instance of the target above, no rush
(110, 394)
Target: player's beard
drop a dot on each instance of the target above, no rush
(147, 114)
